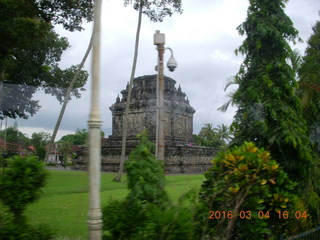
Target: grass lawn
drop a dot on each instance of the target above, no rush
(64, 203)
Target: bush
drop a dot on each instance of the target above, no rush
(20, 184)
(247, 180)
(148, 221)
(146, 213)
(11, 231)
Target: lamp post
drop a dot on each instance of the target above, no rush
(95, 215)
(159, 41)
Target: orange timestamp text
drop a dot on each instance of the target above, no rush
(256, 215)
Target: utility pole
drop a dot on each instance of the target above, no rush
(95, 215)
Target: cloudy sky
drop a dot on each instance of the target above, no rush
(203, 39)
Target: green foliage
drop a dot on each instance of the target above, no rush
(13, 135)
(31, 49)
(40, 141)
(145, 174)
(148, 222)
(245, 179)
(67, 152)
(14, 139)
(213, 137)
(10, 230)
(79, 138)
(68, 13)
(309, 74)
(224, 133)
(146, 212)
(3, 162)
(157, 10)
(269, 110)
(59, 88)
(21, 185)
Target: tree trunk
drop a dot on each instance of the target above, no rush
(230, 227)
(126, 113)
(66, 99)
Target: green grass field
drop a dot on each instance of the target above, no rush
(64, 203)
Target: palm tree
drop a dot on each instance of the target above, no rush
(231, 81)
(223, 132)
(208, 137)
(207, 130)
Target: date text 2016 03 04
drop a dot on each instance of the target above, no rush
(259, 215)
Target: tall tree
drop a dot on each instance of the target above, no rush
(156, 10)
(269, 110)
(72, 85)
(309, 74)
(30, 51)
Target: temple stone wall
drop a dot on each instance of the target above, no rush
(182, 159)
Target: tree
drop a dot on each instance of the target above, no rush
(269, 110)
(13, 138)
(39, 141)
(79, 138)
(13, 135)
(66, 98)
(309, 74)
(31, 49)
(223, 132)
(156, 11)
(208, 137)
(21, 185)
(67, 152)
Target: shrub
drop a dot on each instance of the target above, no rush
(146, 213)
(246, 180)
(145, 174)
(20, 184)
(10, 230)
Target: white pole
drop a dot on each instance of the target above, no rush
(95, 215)
(159, 41)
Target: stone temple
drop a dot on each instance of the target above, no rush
(142, 113)
(181, 156)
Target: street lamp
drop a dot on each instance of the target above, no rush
(159, 40)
